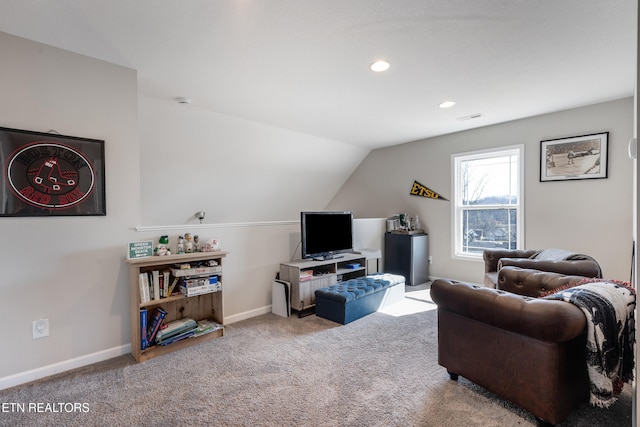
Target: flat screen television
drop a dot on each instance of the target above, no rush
(325, 234)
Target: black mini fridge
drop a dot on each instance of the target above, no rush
(407, 255)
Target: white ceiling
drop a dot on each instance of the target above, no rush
(303, 64)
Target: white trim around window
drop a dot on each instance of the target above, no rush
(505, 178)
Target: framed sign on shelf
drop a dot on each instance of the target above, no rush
(578, 157)
(47, 174)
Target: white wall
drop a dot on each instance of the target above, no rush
(587, 216)
(68, 269)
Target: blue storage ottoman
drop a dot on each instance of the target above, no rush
(350, 300)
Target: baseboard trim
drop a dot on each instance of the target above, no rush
(67, 365)
(247, 315)
(78, 362)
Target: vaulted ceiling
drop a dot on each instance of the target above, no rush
(304, 65)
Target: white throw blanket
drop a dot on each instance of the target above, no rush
(608, 307)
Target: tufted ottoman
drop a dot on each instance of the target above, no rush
(355, 298)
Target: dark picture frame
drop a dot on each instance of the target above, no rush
(577, 157)
(47, 174)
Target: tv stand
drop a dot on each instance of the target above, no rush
(328, 257)
(324, 272)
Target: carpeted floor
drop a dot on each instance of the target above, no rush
(270, 371)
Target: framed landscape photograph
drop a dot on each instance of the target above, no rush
(47, 174)
(578, 157)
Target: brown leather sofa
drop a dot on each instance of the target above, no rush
(526, 350)
(574, 264)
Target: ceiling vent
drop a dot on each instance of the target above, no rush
(470, 117)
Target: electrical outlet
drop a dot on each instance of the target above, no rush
(40, 328)
(430, 259)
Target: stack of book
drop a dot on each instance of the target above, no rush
(176, 331)
(206, 327)
(154, 331)
(149, 329)
(306, 275)
(156, 284)
(183, 278)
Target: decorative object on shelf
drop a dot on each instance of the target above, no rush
(51, 174)
(417, 225)
(420, 190)
(140, 249)
(188, 243)
(209, 245)
(163, 246)
(180, 247)
(578, 157)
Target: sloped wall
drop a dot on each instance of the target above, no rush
(233, 169)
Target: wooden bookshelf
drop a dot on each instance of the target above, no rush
(199, 307)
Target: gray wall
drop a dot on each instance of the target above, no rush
(587, 216)
(175, 162)
(164, 162)
(68, 269)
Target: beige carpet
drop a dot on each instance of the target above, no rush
(270, 371)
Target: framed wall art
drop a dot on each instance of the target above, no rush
(47, 174)
(578, 157)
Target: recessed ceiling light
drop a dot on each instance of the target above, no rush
(379, 66)
(447, 104)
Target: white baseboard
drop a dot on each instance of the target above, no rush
(67, 365)
(247, 315)
(78, 362)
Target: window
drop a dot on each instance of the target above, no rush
(488, 201)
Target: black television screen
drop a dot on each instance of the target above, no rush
(325, 234)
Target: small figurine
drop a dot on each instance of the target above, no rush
(163, 246)
(210, 245)
(196, 242)
(180, 248)
(188, 243)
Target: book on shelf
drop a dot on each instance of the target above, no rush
(143, 329)
(196, 271)
(176, 330)
(166, 274)
(174, 283)
(155, 322)
(143, 281)
(206, 327)
(186, 334)
(193, 291)
(306, 275)
(155, 274)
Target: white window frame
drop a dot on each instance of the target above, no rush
(458, 208)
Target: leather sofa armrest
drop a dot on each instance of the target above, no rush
(532, 283)
(586, 268)
(546, 320)
(492, 256)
